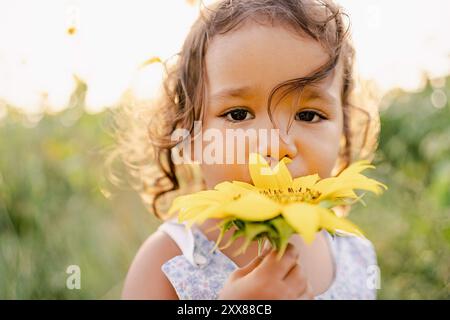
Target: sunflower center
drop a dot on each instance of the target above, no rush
(290, 195)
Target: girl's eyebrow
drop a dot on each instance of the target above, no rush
(311, 93)
(316, 93)
(232, 92)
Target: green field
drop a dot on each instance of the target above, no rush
(55, 212)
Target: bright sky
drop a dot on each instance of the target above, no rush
(396, 41)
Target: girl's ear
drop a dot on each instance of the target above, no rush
(339, 164)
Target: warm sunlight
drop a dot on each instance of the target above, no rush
(113, 188)
(44, 43)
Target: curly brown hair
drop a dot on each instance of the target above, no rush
(143, 132)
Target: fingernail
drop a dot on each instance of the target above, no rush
(266, 249)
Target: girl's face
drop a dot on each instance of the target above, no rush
(243, 67)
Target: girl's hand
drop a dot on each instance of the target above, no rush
(265, 278)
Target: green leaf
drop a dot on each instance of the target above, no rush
(284, 231)
(252, 230)
(224, 226)
(240, 224)
(238, 233)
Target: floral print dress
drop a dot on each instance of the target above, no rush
(199, 274)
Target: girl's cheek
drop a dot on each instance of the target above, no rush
(226, 167)
(320, 150)
(215, 173)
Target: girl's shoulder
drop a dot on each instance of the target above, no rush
(357, 273)
(359, 250)
(145, 279)
(201, 270)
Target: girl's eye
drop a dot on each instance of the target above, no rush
(237, 115)
(309, 116)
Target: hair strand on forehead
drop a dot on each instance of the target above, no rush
(144, 143)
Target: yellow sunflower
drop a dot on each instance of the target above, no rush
(276, 205)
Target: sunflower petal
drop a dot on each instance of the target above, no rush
(177, 204)
(214, 212)
(245, 185)
(231, 189)
(253, 207)
(282, 174)
(331, 222)
(343, 187)
(190, 212)
(261, 173)
(356, 168)
(305, 182)
(304, 218)
(199, 198)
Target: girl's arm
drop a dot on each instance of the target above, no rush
(145, 279)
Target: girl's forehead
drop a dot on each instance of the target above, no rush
(266, 55)
(260, 57)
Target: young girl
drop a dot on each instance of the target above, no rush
(253, 64)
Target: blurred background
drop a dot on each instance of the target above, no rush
(66, 65)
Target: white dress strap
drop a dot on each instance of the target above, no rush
(182, 236)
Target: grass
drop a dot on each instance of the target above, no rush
(54, 212)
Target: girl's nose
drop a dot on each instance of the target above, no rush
(286, 148)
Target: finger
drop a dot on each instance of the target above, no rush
(255, 262)
(295, 272)
(308, 294)
(250, 266)
(267, 248)
(295, 279)
(279, 268)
